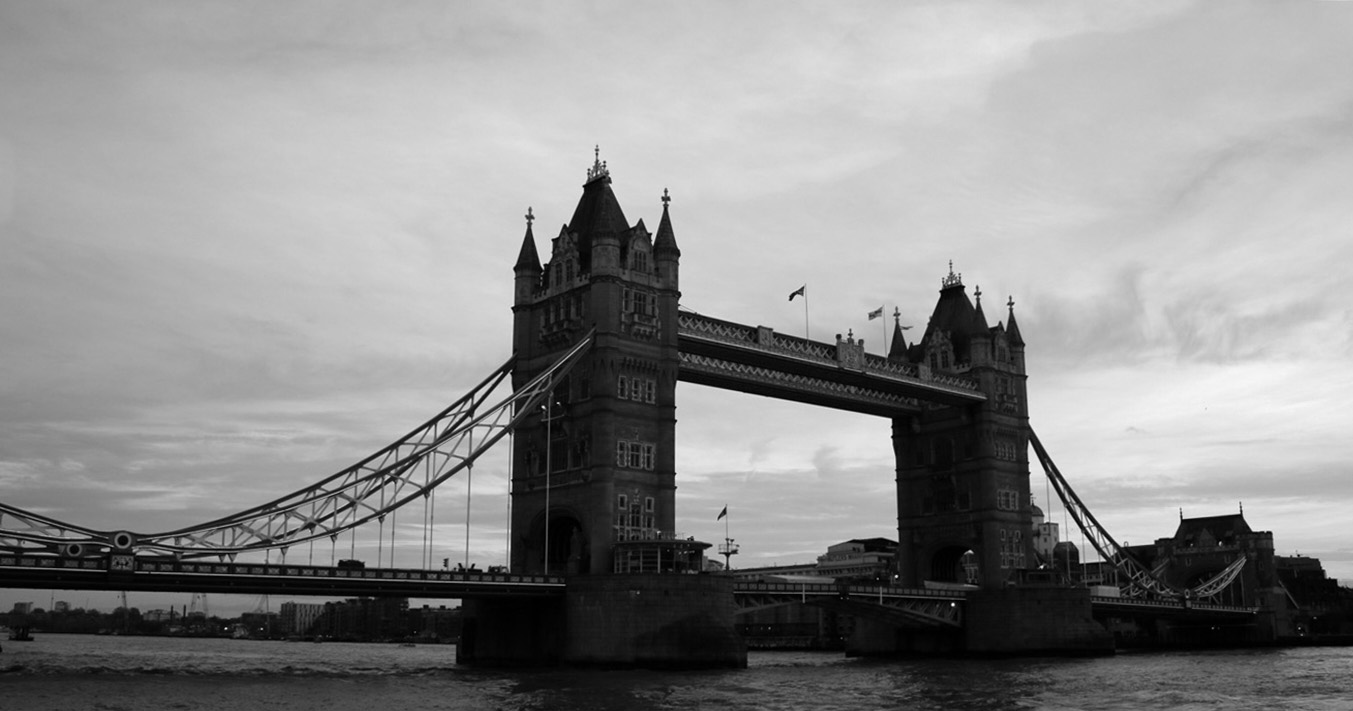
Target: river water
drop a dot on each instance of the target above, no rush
(77, 672)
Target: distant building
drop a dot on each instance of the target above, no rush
(859, 558)
(23, 608)
(808, 626)
(856, 558)
(435, 623)
(1045, 536)
(296, 618)
(364, 618)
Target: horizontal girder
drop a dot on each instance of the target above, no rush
(904, 607)
(760, 361)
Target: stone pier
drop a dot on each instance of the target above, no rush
(646, 620)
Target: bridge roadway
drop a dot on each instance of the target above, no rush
(905, 607)
(125, 572)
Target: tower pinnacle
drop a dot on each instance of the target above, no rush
(598, 170)
(953, 279)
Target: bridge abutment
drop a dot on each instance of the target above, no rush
(655, 621)
(874, 638)
(1033, 620)
(511, 632)
(652, 621)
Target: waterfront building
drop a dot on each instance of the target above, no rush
(859, 559)
(296, 618)
(1045, 536)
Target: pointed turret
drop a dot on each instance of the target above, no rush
(1011, 329)
(666, 254)
(897, 349)
(979, 346)
(979, 321)
(665, 240)
(527, 269)
(528, 258)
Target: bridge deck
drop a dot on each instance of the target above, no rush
(1166, 608)
(170, 575)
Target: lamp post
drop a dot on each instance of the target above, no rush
(548, 434)
(548, 408)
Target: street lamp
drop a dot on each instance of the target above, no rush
(548, 408)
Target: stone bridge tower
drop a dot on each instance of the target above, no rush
(599, 466)
(963, 505)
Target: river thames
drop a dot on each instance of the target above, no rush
(77, 672)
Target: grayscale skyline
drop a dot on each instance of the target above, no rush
(243, 245)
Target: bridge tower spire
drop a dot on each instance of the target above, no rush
(597, 467)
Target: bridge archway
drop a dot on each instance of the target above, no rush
(570, 548)
(955, 564)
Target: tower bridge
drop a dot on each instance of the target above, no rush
(596, 572)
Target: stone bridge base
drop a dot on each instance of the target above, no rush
(656, 621)
(1012, 621)
(1033, 620)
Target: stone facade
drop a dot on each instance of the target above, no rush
(603, 455)
(963, 471)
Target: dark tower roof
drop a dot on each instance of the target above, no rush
(1011, 329)
(528, 258)
(1211, 530)
(954, 313)
(665, 240)
(598, 212)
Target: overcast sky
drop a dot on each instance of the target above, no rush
(244, 244)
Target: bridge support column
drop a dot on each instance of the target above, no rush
(874, 638)
(1033, 620)
(511, 632)
(609, 620)
(652, 621)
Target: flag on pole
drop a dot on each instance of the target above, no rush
(722, 513)
(801, 291)
(876, 313)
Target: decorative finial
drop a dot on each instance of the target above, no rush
(665, 198)
(598, 169)
(1011, 303)
(529, 218)
(953, 279)
(977, 291)
(897, 316)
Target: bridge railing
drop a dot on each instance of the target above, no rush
(1158, 604)
(130, 565)
(837, 589)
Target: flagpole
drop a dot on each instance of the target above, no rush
(885, 335)
(807, 334)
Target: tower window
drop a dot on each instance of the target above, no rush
(635, 455)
